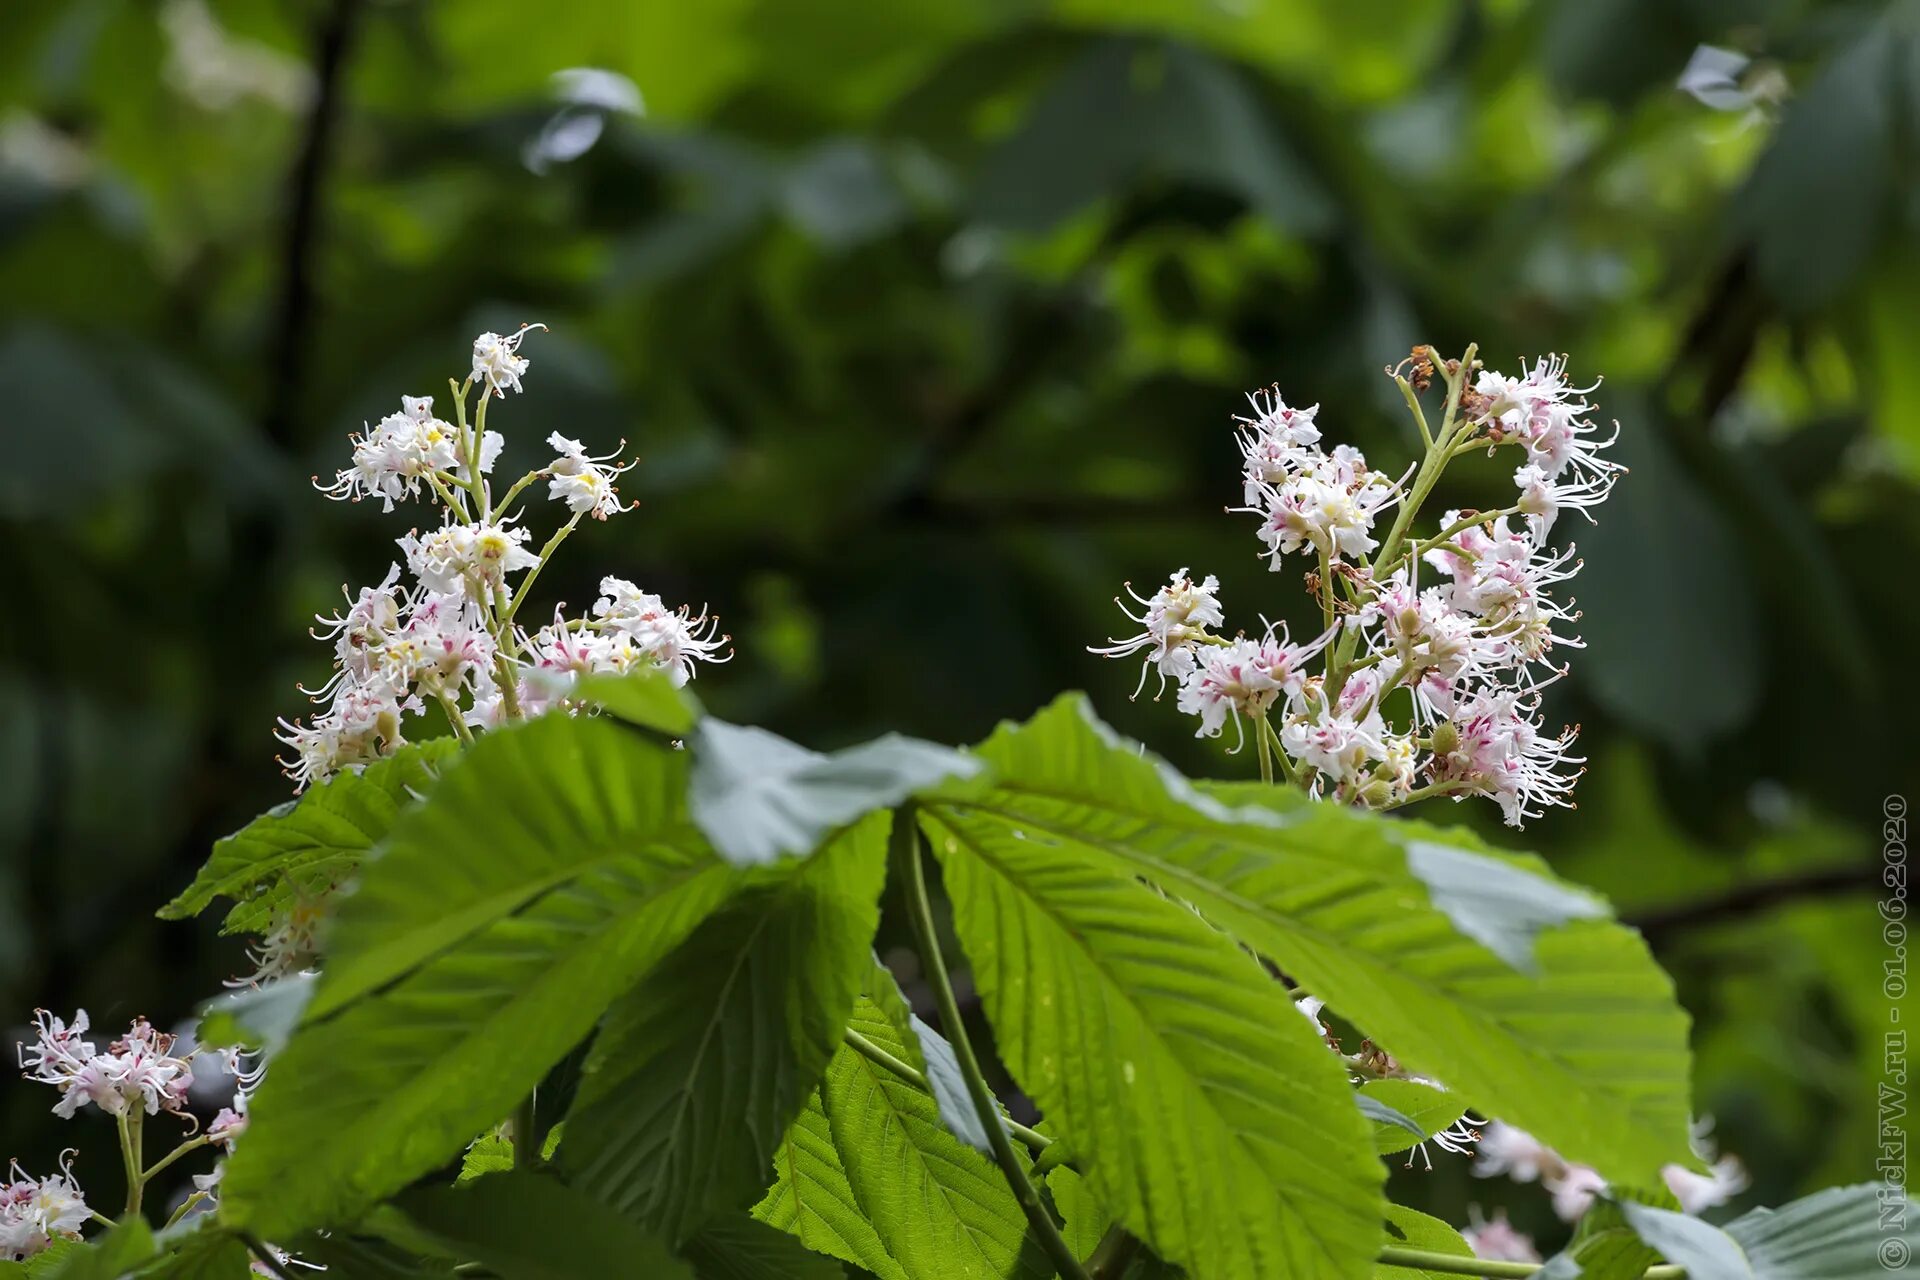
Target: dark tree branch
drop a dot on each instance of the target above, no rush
(1664, 924)
(293, 314)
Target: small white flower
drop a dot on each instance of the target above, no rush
(1275, 442)
(360, 632)
(565, 647)
(290, 944)
(445, 559)
(1574, 1191)
(58, 1050)
(1457, 1139)
(395, 456)
(1327, 504)
(1699, 1192)
(583, 482)
(1502, 577)
(1496, 1240)
(362, 724)
(444, 645)
(672, 639)
(1496, 748)
(1725, 1178)
(34, 1212)
(1542, 498)
(496, 362)
(1229, 680)
(1546, 414)
(1175, 618)
(1310, 1007)
(1343, 741)
(230, 1123)
(1514, 1153)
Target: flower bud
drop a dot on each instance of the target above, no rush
(1377, 794)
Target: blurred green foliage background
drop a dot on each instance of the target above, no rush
(927, 322)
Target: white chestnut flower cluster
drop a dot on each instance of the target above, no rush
(1513, 1153)
(140, 1074)
(1425, 676)
(451, 635)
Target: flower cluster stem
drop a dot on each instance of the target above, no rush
(130, 1158)
(533, 574)
(1439, 453)
(906, 848)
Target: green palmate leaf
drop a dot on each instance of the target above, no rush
(1402, 1127)
(1612, 1253)
(527, 1226)
(937, 1207)
(490, 1153)
(1584, 1046)
(127, 1246)
(812, 1200)
(42, 1263)
(553, 866)
(758, 796)
(1707, 1252)
(699, 1070)
(1082, 1221)
(206, 1253)
(646, 698)
(1428, 1109)
(1605, 1246)
(1410, 1229)
(737, 1247)
(312, 844)
(1213, 1122)
(261, 1018)
(1843, 1233)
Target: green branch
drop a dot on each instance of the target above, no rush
(526, 1136)
(1454, 1265)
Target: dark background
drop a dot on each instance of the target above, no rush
(927, 322)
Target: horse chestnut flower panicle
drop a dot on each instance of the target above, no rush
(449, 638)
(1434, 645)
(137, 1073)
(1176, 619)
